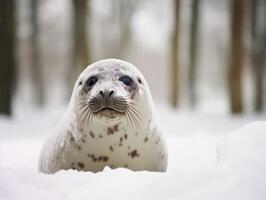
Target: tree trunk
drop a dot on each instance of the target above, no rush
(193, 50)
(80, 35)
(258, 34)
(259, 82)
(80, 50)
(7, 52)
(36, 68)
(174, 56)
(125, 11)
(237, 56)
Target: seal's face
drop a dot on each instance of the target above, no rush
(109, 90)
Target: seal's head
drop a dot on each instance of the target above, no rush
(111, 89)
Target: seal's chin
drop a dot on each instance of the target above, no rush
(109, 113)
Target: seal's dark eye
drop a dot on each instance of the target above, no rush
(126, 80)
(91, 81)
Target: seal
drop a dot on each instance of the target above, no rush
(110, 121)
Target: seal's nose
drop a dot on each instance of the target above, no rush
(111, 92)
(106, 94)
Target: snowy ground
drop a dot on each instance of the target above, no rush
(207, 160)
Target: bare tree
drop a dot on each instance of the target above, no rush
(237, 56)
(174, 55)
(36, 68)
(123, 14)
(193, 50)
(7, 52)
(258, 49)
(80, 51)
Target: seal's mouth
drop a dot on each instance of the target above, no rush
(114, 107)
(109, 112)
(107, 109)
(117, 108)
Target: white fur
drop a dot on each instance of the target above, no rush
(59, 152)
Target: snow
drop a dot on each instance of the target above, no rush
(207, 160)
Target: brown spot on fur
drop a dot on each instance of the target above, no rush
(133, 154)
(91, 156)
(72, 164)
(98, 159)
(79, 148)
(100, 136)
(126, 165)
(105, 158)
(72, 139)
(112, 130)
(81, 165)
(136, 134)
(83, 140)
(91, 134)
(111, 148)
(125, 136)
(145, 139)
(120, 141)
(116, 127)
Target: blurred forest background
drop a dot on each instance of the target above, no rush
(195, 54)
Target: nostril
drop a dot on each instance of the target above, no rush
(110, 93)
(106, 94)
(101, 93)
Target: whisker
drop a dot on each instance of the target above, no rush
(84, 116)
(131, 110)
(83, 105)
(129, 118)
(88, 117)
(136, 111)
(136, 117)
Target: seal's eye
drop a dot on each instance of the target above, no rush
(91, 81)
(126, 80)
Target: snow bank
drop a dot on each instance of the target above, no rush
(245, 146)
(202, 165)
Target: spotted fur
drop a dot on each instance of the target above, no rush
(108, 123)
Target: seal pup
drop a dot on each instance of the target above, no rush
(110, 121)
